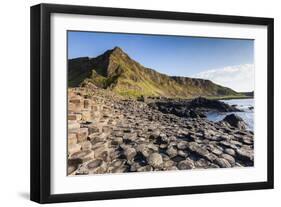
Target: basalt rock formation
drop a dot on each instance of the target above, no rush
(110, 134)
(191, 108)
(235, 121)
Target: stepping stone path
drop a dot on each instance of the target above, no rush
(107, 134)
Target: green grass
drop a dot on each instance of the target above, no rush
(119, 73)
(229, 97)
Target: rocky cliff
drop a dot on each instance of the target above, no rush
(116, 71)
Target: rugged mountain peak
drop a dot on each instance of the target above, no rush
(114, 51)
(115, 70)
(117, 49)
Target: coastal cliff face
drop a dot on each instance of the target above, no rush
(116, 71)
(110, 134)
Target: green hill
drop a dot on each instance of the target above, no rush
(116, 71)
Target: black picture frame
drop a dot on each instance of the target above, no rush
(41, 99)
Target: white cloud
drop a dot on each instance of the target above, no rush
(239, 78)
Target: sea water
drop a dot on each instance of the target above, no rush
(247, 115)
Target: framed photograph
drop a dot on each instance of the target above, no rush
(133, 103)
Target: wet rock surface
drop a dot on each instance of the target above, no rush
(108, 134)
(191, 108)
(235, 121)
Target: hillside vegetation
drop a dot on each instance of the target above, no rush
(116, 71)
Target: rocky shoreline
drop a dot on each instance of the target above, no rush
(108, 134)
(195, 108)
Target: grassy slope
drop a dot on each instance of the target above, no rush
(118, 72)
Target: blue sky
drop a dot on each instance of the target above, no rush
(172, 55)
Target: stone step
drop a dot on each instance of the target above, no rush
(73, 148)
(94, 128)
(107, 129)
(75, 116)
(98, 137)
(96, 107)
(87, 104)
(73, 125)
(72, 138)
(96, 166)
(86, 145)
(86, 115)
(81, 134)
(84, 155)
(76, 101)
(74, 108)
